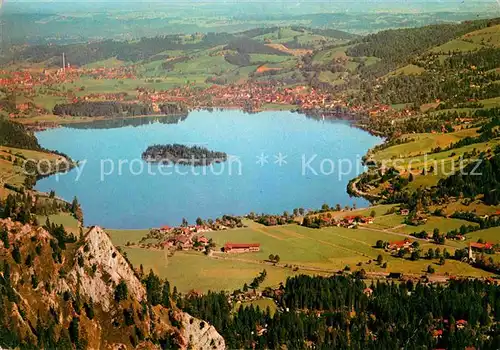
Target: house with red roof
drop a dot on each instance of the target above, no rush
(165, 228)
(481, 246)
(368, 292)
(241, 247)
(203, 240)
(437, 333)
(397, 245)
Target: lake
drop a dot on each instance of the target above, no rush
(277, 161)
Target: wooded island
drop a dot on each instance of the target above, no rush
(184, 155)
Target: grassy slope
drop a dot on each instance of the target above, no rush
(14, 174)
(67, 220)
(313, 251)
(488, 235)
(189, 271)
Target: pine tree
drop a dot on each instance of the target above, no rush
(121, 291)
(74, 330)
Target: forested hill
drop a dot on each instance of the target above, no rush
(14, 135)
(82, 54)
(342, 313)
(481, 178)
(147, 48)
(398, 46)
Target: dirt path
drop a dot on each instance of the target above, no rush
(397, 227)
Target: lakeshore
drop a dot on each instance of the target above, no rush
(270, 187)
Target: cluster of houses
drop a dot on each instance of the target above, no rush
(182, 238)
(240, 96)
(28, 81)
(247, 96)
(350, 221)
(437, 332)
(29, 78)
(185, 237)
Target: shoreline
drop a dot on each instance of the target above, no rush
(52, 121)
(90, 120)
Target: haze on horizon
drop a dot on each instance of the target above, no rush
(302, 6)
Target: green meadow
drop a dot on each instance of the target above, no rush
(301, 250)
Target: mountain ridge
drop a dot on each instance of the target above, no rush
(51, 304)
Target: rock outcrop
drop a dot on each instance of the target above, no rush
(63, 288)
(99, 267)
(200, 335)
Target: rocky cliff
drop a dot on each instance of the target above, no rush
(84, 294)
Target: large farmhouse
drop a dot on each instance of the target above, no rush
(241, 247)
(396, 246)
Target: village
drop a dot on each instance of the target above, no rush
(192, 237)
(252, 96)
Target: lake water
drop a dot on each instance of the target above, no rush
(279, 161)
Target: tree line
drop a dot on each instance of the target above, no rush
(114, 109)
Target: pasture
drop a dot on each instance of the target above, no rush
(14, 174)
(121, 237)
(489, 235)
(421, 144)
(457, 45)
(435, 222)
(190, 270)
(66, 219)
(489, 36)
(263, 304)
(301, 250)
(410, 69)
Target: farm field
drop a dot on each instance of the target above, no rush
(67, 220)
(379, 210)
(190, 270)
(13, 174)
(263, 304)
(332, 78)
(387, 221)
(489, 235)
(477, 207)
(327, 56)
(310, 251)
(121, 237)
(442, 224)
(488, 36)
(491, 102)
(422, 143)
(457, 45)
(410, 69)
(415, 155)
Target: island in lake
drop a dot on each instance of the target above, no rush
(184, 155)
